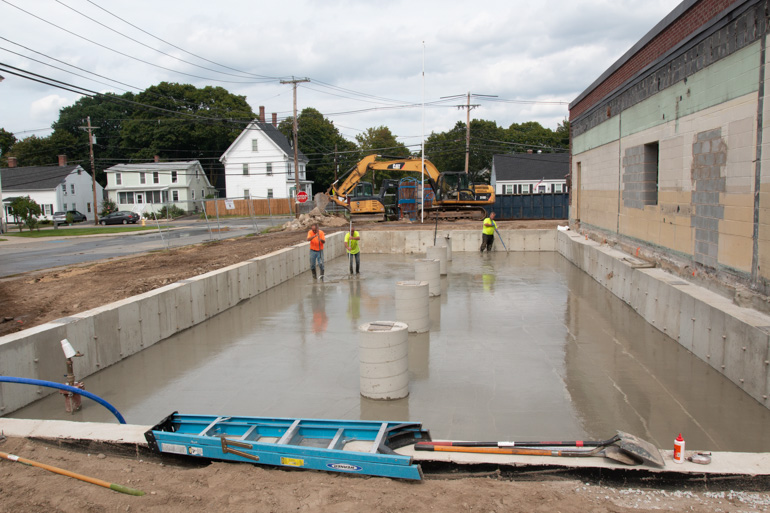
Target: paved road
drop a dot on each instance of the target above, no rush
(36, 254)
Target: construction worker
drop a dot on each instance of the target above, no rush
(354, 252)
(488, 233)
(317, 240)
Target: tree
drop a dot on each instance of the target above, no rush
(195, 124)
(7, 139)
(316, 138)
(380, 140)
(43, 151)
(27, 210)
(108, 112)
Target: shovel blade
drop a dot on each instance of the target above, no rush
(641, 449)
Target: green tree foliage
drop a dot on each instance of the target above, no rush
(316, 138)
(447, 149)
(7, 139)
(380, 140)
(42, 151)
(108, 113)
(26, 210)
(174, 135)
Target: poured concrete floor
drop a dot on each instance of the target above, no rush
(523, 346)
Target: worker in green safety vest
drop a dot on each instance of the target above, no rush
(354, 251)
(488, 233)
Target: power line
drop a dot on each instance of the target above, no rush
(171, 44)
(127, 55)
(150, 47)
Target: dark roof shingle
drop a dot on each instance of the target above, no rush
(34, 178)
(279, 139)
(531, 166)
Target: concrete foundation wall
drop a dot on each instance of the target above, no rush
(418, 241)
(733, 340)
(107, 334)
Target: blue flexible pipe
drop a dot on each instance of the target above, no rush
(74, 390)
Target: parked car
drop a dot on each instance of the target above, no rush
(61, 217)
(120, 217)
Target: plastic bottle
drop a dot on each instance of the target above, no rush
(679, 449)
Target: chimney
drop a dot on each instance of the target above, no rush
(275, 119)
(529, 151)
(262, 113)
(156, 158)
(62, 160)
(11, 161)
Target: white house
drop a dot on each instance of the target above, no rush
(260, 164)
(150, 187)
(54, 188)
(530, 173)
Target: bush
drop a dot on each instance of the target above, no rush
(108, 207)
(69, 218)
(166, 212)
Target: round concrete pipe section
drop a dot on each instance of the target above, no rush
(445, 242)
(383, 353)
(430, 271)
(438, 253)
(412, 305)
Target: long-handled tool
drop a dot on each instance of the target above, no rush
(501, 239)
(56, 470)
(627, 443)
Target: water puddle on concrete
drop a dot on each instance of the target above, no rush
(524, 346)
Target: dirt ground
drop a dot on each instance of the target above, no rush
(178, 486)
(38, 297)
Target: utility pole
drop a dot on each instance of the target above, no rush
(336, 166)
(93, 167)
(468, 107)
(294, 82)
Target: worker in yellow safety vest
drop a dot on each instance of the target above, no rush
(488, 233)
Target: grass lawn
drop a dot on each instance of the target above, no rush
(73, 232)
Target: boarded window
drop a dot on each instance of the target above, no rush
(640, 175)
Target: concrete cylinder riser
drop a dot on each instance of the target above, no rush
(412, 305)
(430, 271)
(383, 353)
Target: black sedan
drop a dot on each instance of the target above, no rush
(121, 217)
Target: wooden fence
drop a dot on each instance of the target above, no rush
(259, 207)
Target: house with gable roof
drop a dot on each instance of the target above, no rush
(260, 164)
(55, 188)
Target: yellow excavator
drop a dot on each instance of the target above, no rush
(456, 197)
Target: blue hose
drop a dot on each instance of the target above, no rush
(74, 390)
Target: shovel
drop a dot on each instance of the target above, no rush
(627, 444)
(612, 452)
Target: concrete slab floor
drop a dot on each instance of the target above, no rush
(523, 346)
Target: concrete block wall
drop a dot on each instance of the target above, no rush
(107, 334)
(418, 241)
(733, 340)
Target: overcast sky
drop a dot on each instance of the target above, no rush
(370, 52)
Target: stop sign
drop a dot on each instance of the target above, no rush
(302, 196)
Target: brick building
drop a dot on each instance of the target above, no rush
(668, 145)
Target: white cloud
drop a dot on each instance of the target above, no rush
(46, 109)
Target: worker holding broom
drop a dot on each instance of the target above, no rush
(317, 240)
(354, 252)
(488, 233)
